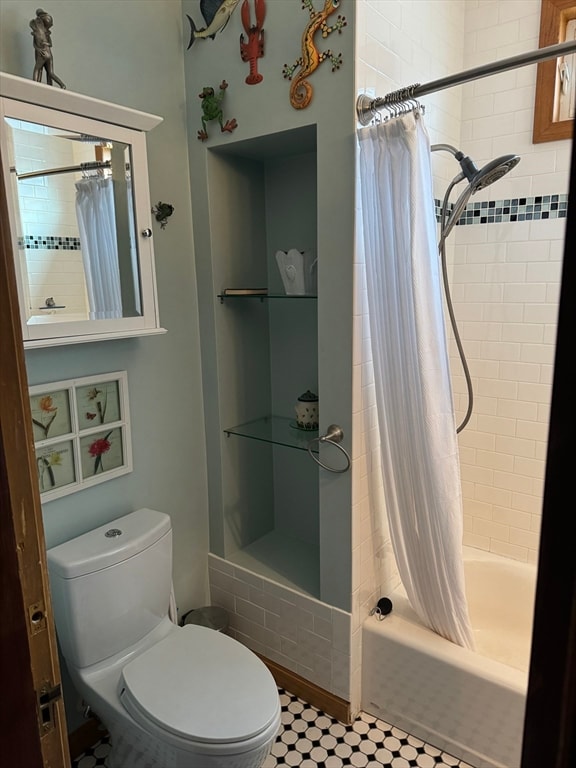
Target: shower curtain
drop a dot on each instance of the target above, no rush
(419, 451)
(97, 224)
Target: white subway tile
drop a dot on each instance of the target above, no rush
(497, 425)
(512, 517)
(538, 353)
(503, 312)
(250, 611)
(524, 292)
(524, 538)
(517, 372)
(479, 509)
(492, 530)
(495, 460)
(529, 467)
(514, 100)
(515, 446)
(498, 36)
(528, 251)
(506, 549)
(530, 333)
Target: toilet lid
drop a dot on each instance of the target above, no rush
(202, 685)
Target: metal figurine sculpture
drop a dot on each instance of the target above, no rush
(40, 27)
(253, 49)
(162, 213)
(300, 89)
(211, 110)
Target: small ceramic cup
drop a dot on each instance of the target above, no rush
(307, 411)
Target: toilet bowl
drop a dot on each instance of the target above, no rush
(175, 697)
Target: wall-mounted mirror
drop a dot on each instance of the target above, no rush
(554, 106)
(80, 220)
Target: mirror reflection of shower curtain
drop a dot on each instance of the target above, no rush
(418, 444)
(97, 224)
(133, 249)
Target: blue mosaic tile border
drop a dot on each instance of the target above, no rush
(515, 209)
(45, 242)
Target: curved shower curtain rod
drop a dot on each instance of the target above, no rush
(367, 106)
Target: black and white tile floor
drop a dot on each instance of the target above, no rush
(310, 739)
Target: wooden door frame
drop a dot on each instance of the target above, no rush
(28, 639)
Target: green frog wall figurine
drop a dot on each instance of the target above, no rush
(212, 110)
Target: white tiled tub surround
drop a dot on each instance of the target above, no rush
(506, 283)
(298, 632)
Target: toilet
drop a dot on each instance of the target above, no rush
(170, 696)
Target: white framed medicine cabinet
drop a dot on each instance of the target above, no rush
(76, 175)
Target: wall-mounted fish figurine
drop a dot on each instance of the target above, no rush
(216, 14)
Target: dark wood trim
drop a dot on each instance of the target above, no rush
(550, 725)
(551, 18)
(88, 734)
(318, 697)
(29, 653)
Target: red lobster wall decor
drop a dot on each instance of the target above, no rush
(253, 49)
(301, 91)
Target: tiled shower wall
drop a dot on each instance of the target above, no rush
(49, 227)
(506, 281)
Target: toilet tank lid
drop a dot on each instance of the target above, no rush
(109, 544)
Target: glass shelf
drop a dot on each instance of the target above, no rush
(263, 296)
(278, 430)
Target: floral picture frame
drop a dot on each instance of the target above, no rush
(81, 432)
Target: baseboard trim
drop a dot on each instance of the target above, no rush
(85, 736)
(327, 702)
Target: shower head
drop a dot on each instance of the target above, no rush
(478, 178)
(483, 177)
(492, 171)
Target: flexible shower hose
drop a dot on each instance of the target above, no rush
(442, 249)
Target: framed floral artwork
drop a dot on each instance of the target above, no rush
(81, 432)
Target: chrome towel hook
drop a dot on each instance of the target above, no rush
(334, 435)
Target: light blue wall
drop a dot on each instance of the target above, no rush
(131, 52)
(262, 111)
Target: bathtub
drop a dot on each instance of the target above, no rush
(469, 704)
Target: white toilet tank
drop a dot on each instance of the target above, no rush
(111, 586)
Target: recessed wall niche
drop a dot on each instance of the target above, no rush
(262, 197)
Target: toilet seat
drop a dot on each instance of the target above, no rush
(201, 686)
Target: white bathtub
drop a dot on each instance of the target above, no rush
(470, 704)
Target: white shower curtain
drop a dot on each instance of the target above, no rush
(97, 224)
(419, 450)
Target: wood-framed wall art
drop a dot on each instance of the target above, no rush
(557, 24)
(81, 432)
